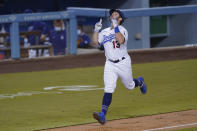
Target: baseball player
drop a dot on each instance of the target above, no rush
(118, 62)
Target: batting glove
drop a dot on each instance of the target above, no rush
(114, 22)
(98, 26)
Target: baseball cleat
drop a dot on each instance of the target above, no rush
(100, 117)
(143, 87)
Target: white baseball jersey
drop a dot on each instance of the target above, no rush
(115, 51)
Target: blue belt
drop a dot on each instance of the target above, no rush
(116, 61)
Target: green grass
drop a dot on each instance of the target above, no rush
(171, 87)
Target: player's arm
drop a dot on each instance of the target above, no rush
(119, 36)
(95, 35)
(95, 38)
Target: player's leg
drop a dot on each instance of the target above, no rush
(100, 116)
(110, 78)
(127, 78)
(131, 83)
(125, 73)
(142, 85)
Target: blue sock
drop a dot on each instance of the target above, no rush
(107, 98)
(137, 82)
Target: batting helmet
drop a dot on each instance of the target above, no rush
(119, 12)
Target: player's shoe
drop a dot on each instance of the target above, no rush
(143, 87)
(100, 117)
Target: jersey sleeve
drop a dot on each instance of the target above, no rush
(100, 38)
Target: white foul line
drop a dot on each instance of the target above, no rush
(167, 127)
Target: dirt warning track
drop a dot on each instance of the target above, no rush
(96, 59)
(161, 122)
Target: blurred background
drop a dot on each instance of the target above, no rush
(48, 38)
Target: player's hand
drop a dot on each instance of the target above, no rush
(98, 26)
(114, 22)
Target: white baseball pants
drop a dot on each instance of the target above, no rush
(121, 69)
